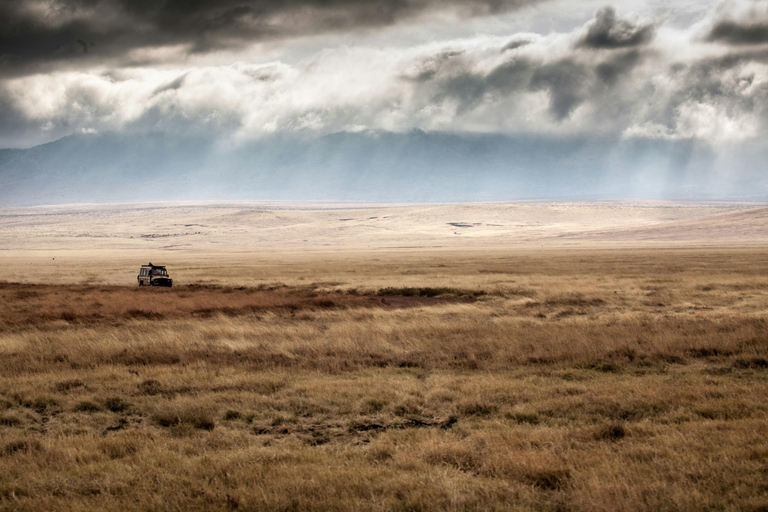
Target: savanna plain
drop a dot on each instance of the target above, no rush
(501, 357)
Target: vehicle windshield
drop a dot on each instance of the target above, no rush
(159, 272)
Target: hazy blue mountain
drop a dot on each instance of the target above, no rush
(373, 166)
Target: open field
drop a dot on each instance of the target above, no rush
(162, 228)
(587, 377)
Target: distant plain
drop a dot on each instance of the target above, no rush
(550, 356)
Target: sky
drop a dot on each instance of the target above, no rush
(517, 98)
(239, 70)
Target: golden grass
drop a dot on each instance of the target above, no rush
(583, 381)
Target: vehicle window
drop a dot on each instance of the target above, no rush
(158, 272)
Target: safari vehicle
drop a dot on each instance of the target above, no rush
(154, 275)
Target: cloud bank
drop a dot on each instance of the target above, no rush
(40, 35)
(617, 73)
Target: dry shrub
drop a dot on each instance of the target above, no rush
(758, 363)
(41, 404)
(69, 384)
(728, 411)
(22, 446)
(428, 292)
(232, 414)
(123, 444)
(709, 352)
(87, 406)
(146, 356)
(143, 314)
(477, 408)
(381, 452)
(457, 454)
(538, 468)
(553, 479)
(116, 404)
(604, 366)
(613, 431)
(408, 408)
(530, 418)
(516, 292)
(600, 409)
(179, 414)
(10, 420)
(573, 299)
(68, 316)
(317, 438)
(267, 386)
(151, 387)
(373, 405)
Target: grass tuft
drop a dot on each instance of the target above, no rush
(151, 387)
(87, 406)
(232, 414)
(179, 415)
(428, 292)
(548, 479)
(10, 420)
(116, 404)
(22, 446)
(610, 432)
(530, 418)
(69, 385)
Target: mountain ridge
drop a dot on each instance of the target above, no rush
(415, 166)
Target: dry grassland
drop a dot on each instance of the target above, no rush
(496, 380)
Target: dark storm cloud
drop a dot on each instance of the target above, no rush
(430, 66)
(732, 32)
(726, 85)
(515, 44)
(449, 75)
(719, 79)
(26, 41)
(512, 76)
(173, 85)
(612, 69)
(569, 81)
(71, 31)
(607, 31)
